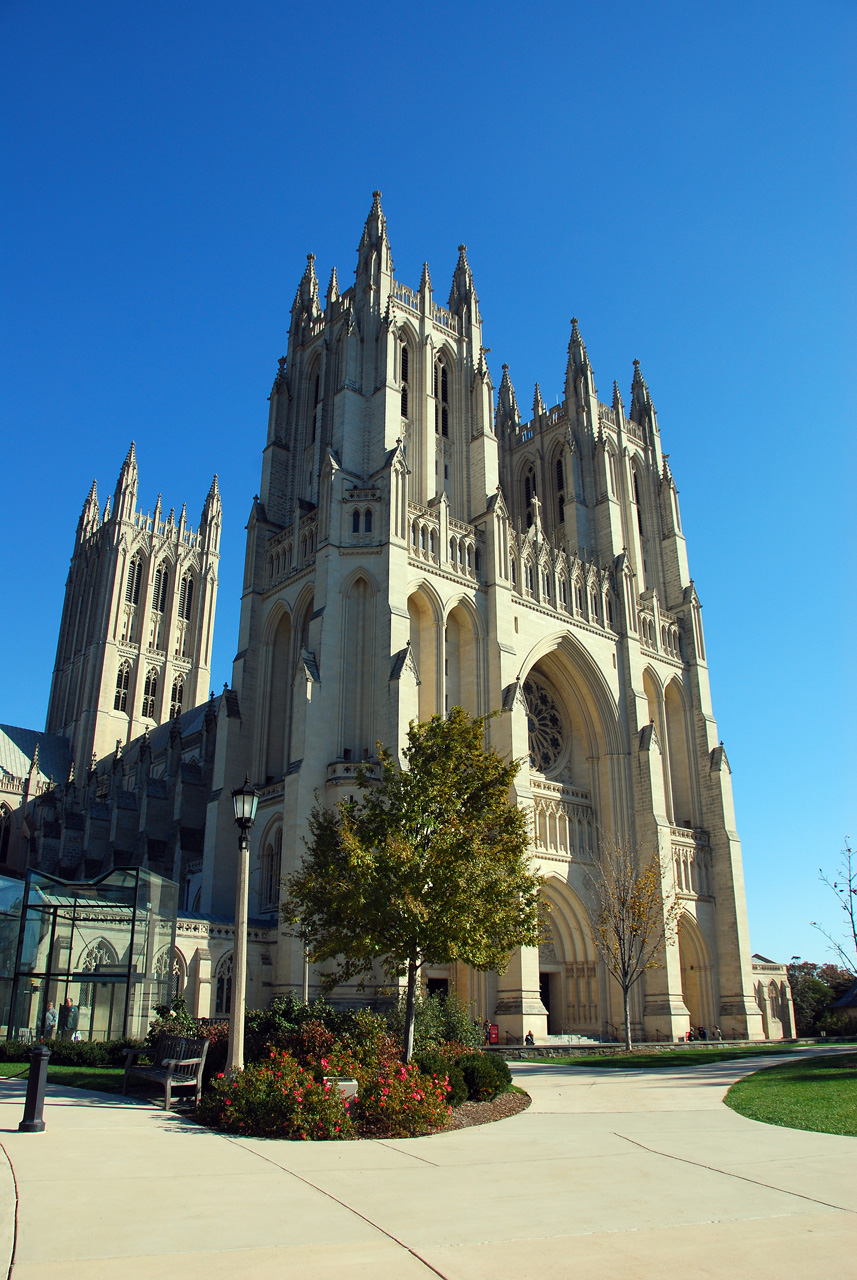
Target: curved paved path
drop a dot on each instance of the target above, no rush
(637, 1175)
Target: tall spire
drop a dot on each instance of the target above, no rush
(210, 520)
(507, 416)
(306, 299)
(90, 515)
(642, 408)
(125, 497)
(373, 252)
(578, 371)
(425, 279)
(538, 402)
(462, 295)
(333, 288)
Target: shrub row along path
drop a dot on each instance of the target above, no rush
(607, 1174)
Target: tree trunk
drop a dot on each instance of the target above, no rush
(410, 1002)
(626, 1003)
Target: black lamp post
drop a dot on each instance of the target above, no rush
(244, 802)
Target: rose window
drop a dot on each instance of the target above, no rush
(544, 726)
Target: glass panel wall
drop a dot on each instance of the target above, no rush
(92, 958)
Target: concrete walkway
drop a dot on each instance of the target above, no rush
(638, 1174)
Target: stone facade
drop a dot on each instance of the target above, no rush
(414, 547)
(135, 637)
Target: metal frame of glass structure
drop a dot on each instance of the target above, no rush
(85, 960)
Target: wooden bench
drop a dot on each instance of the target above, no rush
(177, 1063)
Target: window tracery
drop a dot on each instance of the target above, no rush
(123, 677)
(544, 726)
(150, 693)
(176, 698)
(223, 987)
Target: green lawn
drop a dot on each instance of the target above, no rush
(107, 1079)
(817, 1093)
(666, 1058)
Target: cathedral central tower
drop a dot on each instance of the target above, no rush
(410, 551)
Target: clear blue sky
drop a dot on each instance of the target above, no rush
(681, 177)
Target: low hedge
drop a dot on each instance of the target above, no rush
(72, 1053)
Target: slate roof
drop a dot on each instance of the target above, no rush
(18, 745)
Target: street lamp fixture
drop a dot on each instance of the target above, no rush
(244, 802)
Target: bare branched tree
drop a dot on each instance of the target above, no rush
(635, 915)
(843, 883)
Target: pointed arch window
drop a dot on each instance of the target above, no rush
(355, 521)
(560, 491)
(593, 606)
(270, 872)
(578, 596)
(135, 577)
(529, 494)
(223, 987)
(316, 411)
(123, 679)
(159, 595)
(150, 693)
(367, 520)
(637, 501)
(99, 956)
(406, 382)
(441, 396)
(186, 597)
(176, 698)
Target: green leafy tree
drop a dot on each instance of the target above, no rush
(429, 867)
(634, 916)
(814, 987)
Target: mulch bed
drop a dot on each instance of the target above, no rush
(470, 1113)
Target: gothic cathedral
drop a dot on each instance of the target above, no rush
(412, 548)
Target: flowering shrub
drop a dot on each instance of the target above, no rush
(277, 1098)
(401, 1103)
(440, 1068)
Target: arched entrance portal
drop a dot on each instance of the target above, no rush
(568, 964)
(695, 973)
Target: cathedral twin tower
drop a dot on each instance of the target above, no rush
(413, 548)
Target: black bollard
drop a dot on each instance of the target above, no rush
(36, 1081)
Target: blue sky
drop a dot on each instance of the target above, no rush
(681, 177)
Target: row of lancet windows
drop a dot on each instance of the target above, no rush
(367, 520)
(440, 390)
(150, 692)
(133, 583)
(527, 578)
(280, 562)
